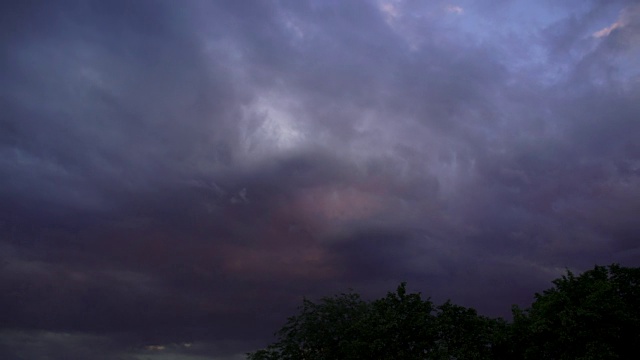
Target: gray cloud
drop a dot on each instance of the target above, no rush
(176, 175)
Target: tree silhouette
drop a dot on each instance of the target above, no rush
(398, 326)
(592, 316)
(595, 315)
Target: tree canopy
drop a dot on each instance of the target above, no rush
(595, 315)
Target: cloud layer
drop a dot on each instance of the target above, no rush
(174, 178)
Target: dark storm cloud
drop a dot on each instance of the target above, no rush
(109, 81)
(175, 178)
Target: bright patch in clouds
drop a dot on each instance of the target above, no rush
(390, 10)
(625, 18)
(455, 9)
(269, 125)
(606, 31)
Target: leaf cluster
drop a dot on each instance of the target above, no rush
(595, 315)
(398, 326)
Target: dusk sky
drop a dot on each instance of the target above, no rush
(175, 176)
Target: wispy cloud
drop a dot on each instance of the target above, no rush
(607, 30)
(628, 15)
(455, 9)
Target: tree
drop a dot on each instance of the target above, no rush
(463, 334)
(329, 329)
(398, 326)
(595, 315)
(347, 327)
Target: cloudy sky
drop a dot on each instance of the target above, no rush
(176, 175)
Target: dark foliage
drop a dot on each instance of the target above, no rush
(592, 316)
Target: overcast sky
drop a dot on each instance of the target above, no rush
(176, 175)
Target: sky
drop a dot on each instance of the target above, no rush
(175, 176)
